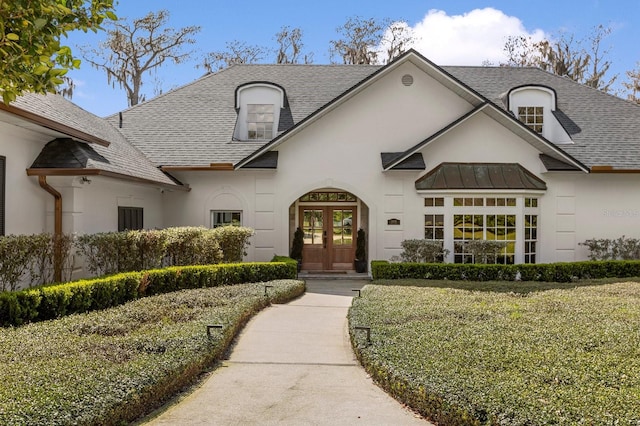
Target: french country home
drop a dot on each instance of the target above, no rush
(409, 150)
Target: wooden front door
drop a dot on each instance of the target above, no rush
(329, 238)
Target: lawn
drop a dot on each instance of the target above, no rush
(493, 356)
(111, 366)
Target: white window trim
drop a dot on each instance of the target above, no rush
(519, 210)
(214, 212)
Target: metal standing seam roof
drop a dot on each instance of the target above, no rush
(193, 125)
(479, 176)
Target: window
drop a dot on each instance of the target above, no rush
(259, 121)
(434, 227)
(130, 218)
(530, 237)
(491, 227)
(225, 218)
(313, 226)
(468, 202)
(3, 161)
(343, 197)
(434, 202)
(532, 117)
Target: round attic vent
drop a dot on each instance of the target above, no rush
(407, 79)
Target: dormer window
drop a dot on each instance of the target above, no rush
(537, 107)
(532, 117)
(259, 106)
(260, 121)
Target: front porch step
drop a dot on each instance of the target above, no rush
(333, 275)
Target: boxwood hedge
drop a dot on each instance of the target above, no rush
(54, 301)
(459, 357)
(548, 272)
(112, 366)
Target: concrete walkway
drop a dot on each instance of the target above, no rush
(293, 365)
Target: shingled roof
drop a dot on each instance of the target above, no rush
(108, 150)
(193, 125)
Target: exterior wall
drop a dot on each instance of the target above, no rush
(578, 207)
(25, 200)
(98, 204)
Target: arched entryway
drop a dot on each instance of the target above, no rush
(329, 219)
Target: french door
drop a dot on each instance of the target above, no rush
(329, 242)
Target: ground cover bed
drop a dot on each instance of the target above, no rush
(111, 366)
(486, 355)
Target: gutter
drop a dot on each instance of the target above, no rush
(57, 255)
(98, 172)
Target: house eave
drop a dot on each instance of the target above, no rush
(53, 125)
(106, 173)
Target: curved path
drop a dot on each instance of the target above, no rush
(292, 365)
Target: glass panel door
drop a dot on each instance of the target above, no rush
(313, 226)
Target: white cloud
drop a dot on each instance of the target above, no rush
(469, 39)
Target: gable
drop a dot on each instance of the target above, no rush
(385, 115)
(481, 139)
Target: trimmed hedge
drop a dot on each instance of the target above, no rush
(558, 357)
(113, 366)
(545, 272)
(55, 301)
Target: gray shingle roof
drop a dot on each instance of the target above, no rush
(193, 125)
(121, 157)
(605, 129)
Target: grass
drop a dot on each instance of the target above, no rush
(497, 353)
(112, 366)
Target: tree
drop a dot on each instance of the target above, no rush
(290, 46)
(32, 57)
(397, 38)
(565, 57)
(633, 84)
(599, 66)
(133, 49)
(360, 37)
(237, 52)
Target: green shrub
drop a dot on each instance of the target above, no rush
(113, 366)
(464, 357)
(233, 242)
(55, 301)
(422, 251)
(190, 245)
(28, 260)
(297, 244)
(550, 272)
(619, 249)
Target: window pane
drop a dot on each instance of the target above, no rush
(224, 218)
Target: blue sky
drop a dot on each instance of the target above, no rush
(451, 32)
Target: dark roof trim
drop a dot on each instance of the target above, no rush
(66, 153)
(268, 160)
(347, 92)
(212, 166)
(480, 176)
(533, 86)
(53, 125)
(405, 155)
(567, 123)
(413, 162)
(98, 172)
(554, 165)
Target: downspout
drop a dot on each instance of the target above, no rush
(57, 215)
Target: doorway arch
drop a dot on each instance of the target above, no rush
(329, 219)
